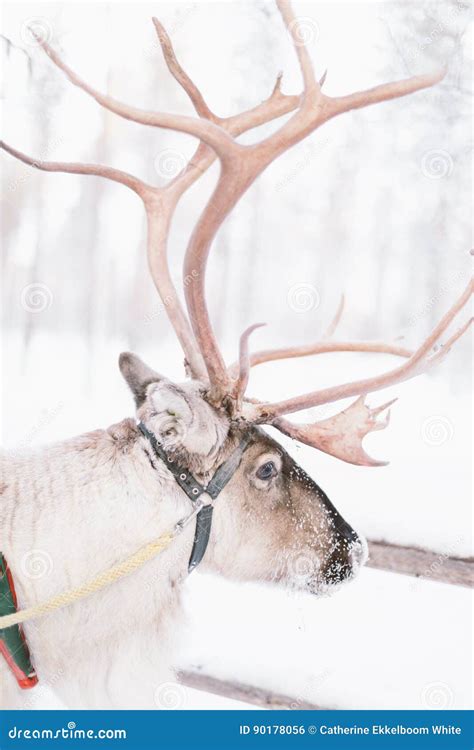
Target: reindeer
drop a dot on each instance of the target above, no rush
(91, 501)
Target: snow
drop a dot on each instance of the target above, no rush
(384, 641)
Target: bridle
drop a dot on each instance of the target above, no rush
(202, 497)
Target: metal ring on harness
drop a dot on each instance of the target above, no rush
(194, 490)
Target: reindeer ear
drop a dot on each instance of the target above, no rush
(138, 375)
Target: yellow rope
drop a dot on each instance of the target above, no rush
(132, 563)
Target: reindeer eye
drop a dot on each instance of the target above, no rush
(267, 470)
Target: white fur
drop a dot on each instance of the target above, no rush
(72, 510)
(115, 648)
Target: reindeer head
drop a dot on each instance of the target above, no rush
(270, 499)
(272, 522)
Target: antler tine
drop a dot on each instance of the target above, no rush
(438, 356)
(310, 84)
(96, 170)
(180, 74)
(386, 91)
(417, 363)
(322, 347)
(244, 363)
(342, 435)
(336, 320)
(209, 132)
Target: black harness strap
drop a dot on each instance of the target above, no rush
(202, 535)
(195, 489)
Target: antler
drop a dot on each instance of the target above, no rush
(419, 362)
(244, 365)
(324, 346)
(240, 166)
(243, 164)
(160, 202)
(342, 435)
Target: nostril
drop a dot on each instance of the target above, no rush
(338, 570)
(347, 557)
(347, 532)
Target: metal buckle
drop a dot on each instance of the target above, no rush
(200, 504)
(187, 519)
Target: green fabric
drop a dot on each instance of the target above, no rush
(11, 637)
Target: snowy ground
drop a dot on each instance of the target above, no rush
(384, 641)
